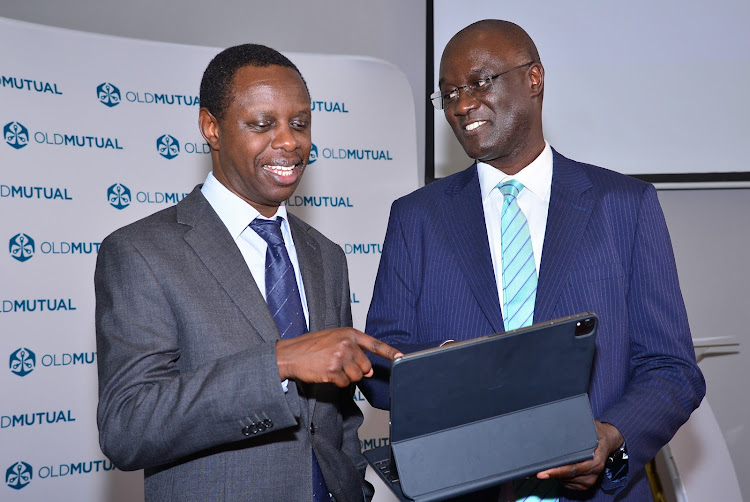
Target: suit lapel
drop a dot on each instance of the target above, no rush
(570, 207)
(463, 216)
(212, 242)
(311, 268)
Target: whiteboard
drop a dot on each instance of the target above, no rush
(652, 88)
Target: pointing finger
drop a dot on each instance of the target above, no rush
(375, 346)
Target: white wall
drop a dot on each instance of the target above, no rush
(710, 229)
(710, 232)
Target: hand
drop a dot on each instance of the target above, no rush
(583, 475)
(330, 356)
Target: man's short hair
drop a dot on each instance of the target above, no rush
(216, 84)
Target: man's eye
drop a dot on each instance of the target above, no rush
(300, 125)
(261, 125)
(452, 94)
(482, 84)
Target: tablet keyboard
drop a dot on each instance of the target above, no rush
(388, 470)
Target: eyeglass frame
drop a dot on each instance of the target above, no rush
(438, 97)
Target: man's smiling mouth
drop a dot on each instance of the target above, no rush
(281, 170)
(474, 125)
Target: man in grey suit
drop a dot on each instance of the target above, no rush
(196, 386)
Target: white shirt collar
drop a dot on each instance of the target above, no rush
(536, 177)
(234, 212)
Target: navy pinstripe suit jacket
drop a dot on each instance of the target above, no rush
(606, 250)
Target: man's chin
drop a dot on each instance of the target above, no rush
(282, 194)
(474, 149)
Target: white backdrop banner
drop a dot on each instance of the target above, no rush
(100, 131)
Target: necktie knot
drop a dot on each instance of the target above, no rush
(511, 188)
(269, 230)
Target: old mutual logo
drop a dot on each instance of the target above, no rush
(22, 362)
(108, 94)
(168, 146)
(313, 154)
(21, 247)
(16, 135)
(18, 475)
(119, 196)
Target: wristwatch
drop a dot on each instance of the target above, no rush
(617, 464)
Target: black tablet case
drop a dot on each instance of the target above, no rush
(478, 413)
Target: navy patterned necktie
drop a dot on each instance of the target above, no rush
(282, 295)
(283, 299)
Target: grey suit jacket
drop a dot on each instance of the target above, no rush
(189, 389)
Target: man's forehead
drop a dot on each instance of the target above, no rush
(470, 59)
(268, 87)
(493, 42)
(250, 74)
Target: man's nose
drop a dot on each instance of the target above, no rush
(464, 103)
(286, 139)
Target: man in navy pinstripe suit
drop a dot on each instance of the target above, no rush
(600, 244)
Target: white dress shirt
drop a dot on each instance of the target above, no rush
(237, 214)
(533, 201)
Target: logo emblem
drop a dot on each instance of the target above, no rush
(18, 475)
(168, 146)
(119, 196)
(16, 135)
(21, 247)
(313, 154)
(22, 362)
(108, 94)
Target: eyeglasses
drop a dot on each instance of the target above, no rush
(440, 100)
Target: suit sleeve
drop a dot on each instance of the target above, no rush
(665, 384)
(150, 411)
(392, 316)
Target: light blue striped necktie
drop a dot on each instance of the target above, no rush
(519, 268)
(519, 294)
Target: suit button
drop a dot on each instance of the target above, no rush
(312, 428)
(268, 423)
(246, 430)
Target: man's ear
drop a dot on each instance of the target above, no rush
(536, 75)
(209, 127)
